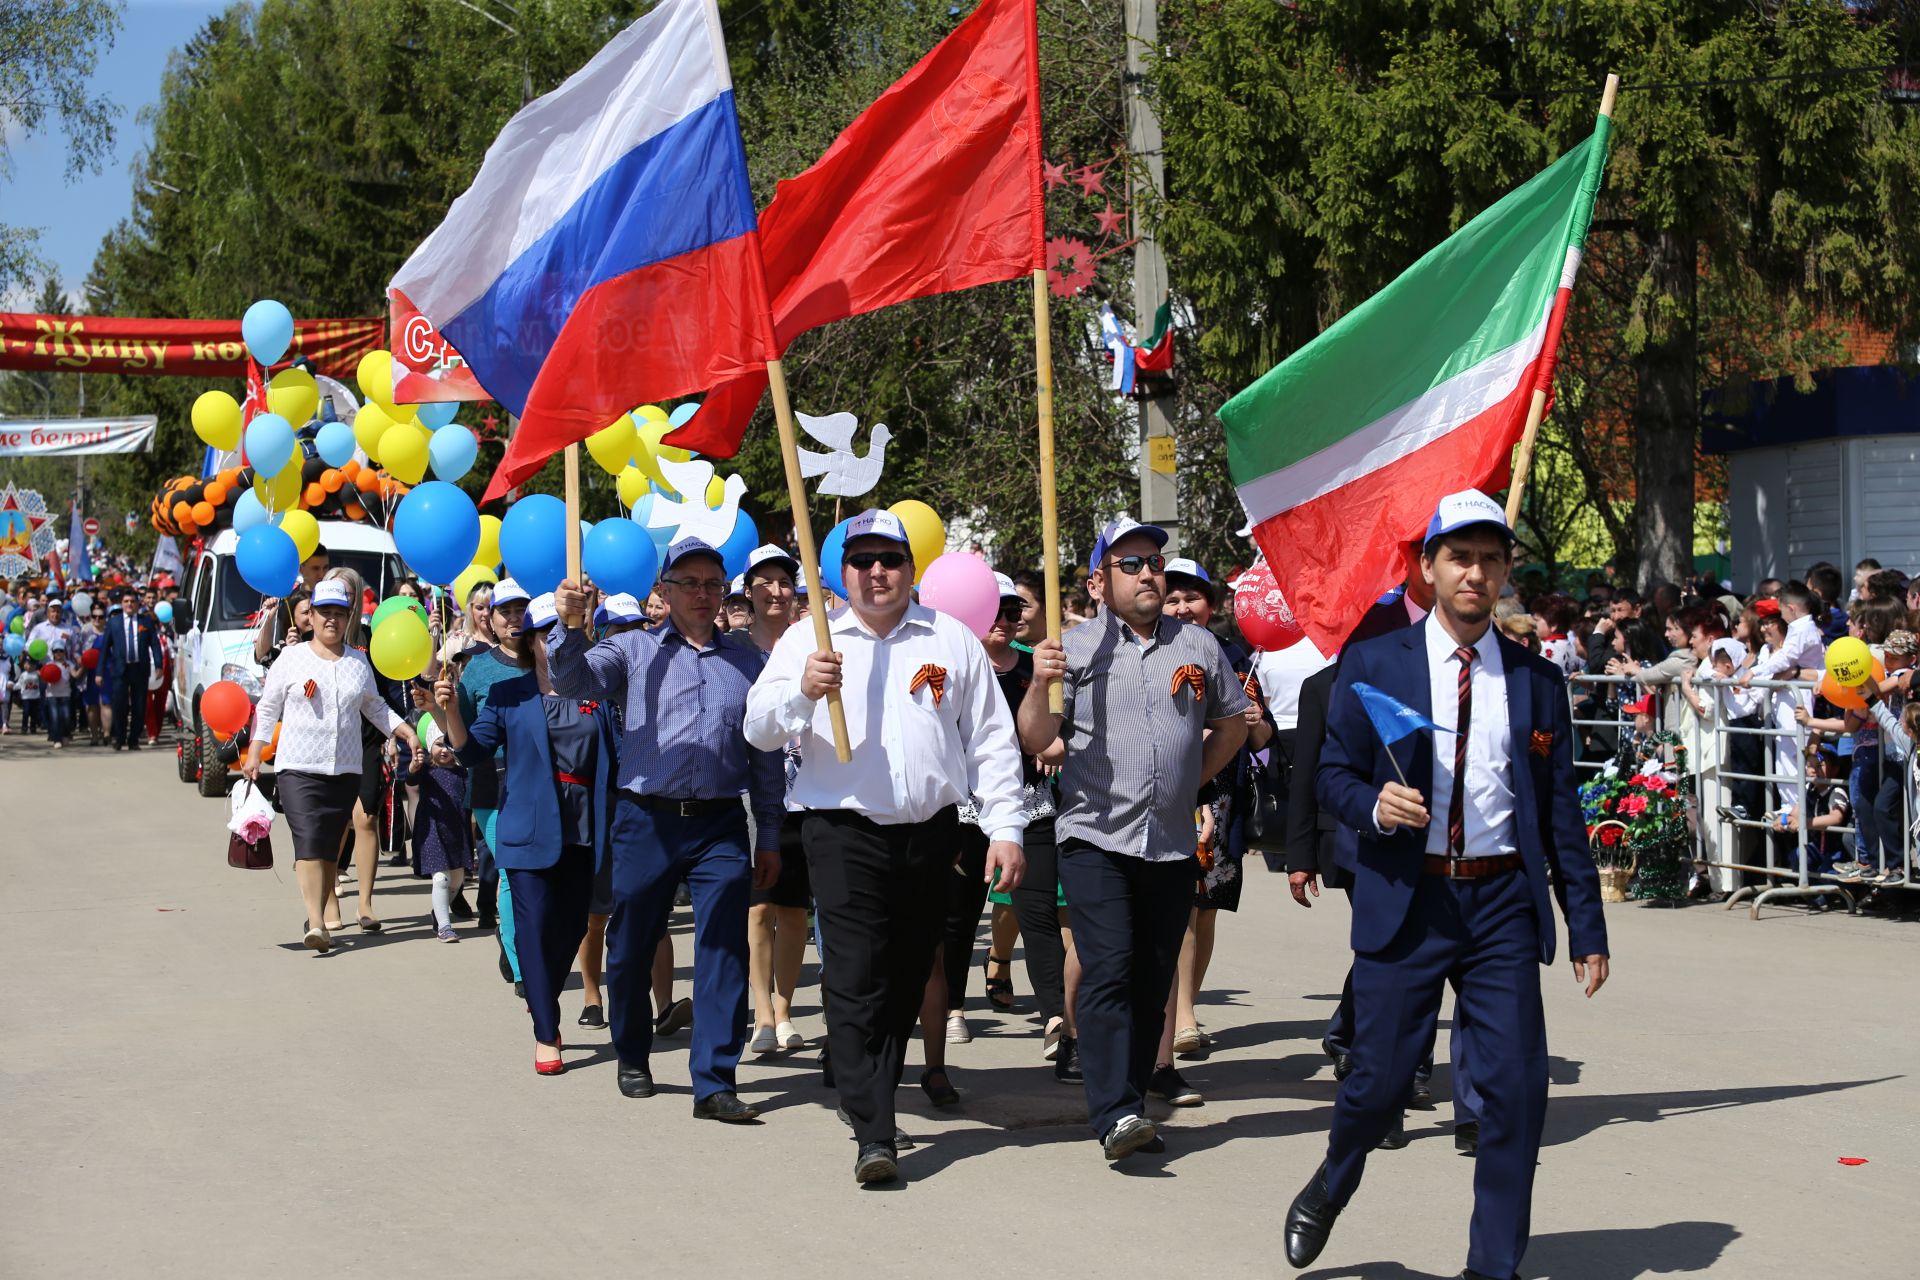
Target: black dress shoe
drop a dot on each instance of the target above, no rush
(725, 1106)
(1466, 1138)
(1397, 1136)
(875, 1163)
(672, 1018)
(636, 1082)
(593, 1016)
(1309, 1221)
(1066, 1063)
(1421, 1099)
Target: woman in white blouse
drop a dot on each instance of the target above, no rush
(316, 694)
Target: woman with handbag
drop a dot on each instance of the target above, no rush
(317, 694)
(550, 834)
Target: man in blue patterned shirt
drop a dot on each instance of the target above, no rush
(683, 765)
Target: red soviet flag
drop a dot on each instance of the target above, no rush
(932, 189)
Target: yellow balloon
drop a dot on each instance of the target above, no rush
(632, 485)
(403, 452)
(470, 577)
(281, 492)
(216, 420)
(1849, 662)
(716, 493)
(652, 429)
(489, 549)
(303, 529)
(293, 395)
(926, 536)
(612, 445)
(401, 646)
(375, 376)
(369, 425)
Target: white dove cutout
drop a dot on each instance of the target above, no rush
(848, 474)
(694, 519)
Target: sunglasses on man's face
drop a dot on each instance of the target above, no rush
(1012, 612)
(1132, 565)
(864, 560)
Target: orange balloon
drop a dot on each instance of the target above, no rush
(367, 481)
(352, 469)
(181, 511)
(331, 480)
(216, 493)
(1842, 696)
(187, 527)
(203, 513)
(273, 744)
(315, 494)
(355, 511)
(230, 477)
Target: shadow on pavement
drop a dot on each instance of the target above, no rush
(1624, 1253)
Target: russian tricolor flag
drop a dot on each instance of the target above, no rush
(606, 255)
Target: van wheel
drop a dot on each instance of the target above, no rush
(215, 780)
(186, 757)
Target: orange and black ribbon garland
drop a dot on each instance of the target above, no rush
(934, 677)
(1190, 674)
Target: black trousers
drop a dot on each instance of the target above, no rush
(130, 704)
(1129, 916)
(967, 895)
(881, 895)
(1036, 903)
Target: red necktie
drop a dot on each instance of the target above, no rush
(1457, 813)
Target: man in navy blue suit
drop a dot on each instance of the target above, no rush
(133, 650)
(1452, 879)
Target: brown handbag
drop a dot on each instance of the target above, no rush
(249, 855)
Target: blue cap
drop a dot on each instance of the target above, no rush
(691, 547)
(1121, 528)
(875, 523)
(1463, 510)
(1188, 568)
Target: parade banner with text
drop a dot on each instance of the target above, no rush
(172, 348)
(70, 437)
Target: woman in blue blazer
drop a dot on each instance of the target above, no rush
(551, 833)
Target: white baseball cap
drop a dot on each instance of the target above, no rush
(1468, 507)
(506, 591)
(332, 591)
(540, 612)
(875, 523)
(622, 606)
(769, 554)
(1007, 590)
(1121, 528)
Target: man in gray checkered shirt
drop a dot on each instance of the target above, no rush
(1152, 712)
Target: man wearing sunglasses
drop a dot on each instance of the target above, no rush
(927, 725)
(683, 765)
(1152, 712)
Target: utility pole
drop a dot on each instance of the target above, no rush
(1159, 487)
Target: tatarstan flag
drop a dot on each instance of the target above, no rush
(1342, 450)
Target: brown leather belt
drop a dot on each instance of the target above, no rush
(1471, 868)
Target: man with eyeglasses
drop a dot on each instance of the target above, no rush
(927, 725)
(683, 766)
(1152, 712)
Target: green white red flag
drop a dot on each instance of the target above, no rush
(1342, 450)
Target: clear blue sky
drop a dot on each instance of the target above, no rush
(73, 218)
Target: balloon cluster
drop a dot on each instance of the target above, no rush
(237, 497)
(406, 439)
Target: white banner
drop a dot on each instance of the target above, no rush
(69, 437)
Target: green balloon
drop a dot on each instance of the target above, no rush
(19, 623)
(37, 650)
(393, 605)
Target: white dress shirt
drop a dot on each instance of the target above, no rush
(1281, 674)
(320, 733)
(1489, 789)
(1804, 647)
(912, 757)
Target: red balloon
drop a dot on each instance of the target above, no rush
(1262, 611)
(50, 674)
(90, 659)
(225, 708)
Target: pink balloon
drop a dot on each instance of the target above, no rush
(1265, 618)
(961, 584)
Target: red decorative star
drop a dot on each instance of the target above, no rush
(1069, 266)
(1111, 221)
(490, 423)
(1091, 181)
(1055, 174)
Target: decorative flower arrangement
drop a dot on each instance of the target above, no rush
(1640, 819)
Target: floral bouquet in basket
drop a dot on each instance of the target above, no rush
(1640, 820)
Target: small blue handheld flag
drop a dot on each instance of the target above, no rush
(1392, 718)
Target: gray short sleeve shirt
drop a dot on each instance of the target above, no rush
(1136, 714)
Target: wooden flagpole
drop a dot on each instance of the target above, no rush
(809, 550)
(573, 521)
(1537, 408)
(1049, 505)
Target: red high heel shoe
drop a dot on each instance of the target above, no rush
(554, 1068)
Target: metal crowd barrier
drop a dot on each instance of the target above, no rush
(1716, 824)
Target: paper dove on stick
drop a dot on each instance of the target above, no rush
(848, 474)
(692, 518)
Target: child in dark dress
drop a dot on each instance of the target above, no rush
(442, 831)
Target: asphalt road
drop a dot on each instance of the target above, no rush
(186, 1092)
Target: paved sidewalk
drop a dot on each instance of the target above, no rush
(187, 1093)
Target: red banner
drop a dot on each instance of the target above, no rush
(172, 348)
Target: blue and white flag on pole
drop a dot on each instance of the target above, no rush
(1392, 718)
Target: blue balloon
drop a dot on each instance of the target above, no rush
(16, 645)
(334, 443)
(437, 530)
(619, 556)
(269, 444)
(533, 542)
(832, 550)
(739, 544)
(268, 560)
(662, 538)
(436, 414)
(682, 413)
(268, 329)
(248, 511)
(163, 611)
(452, 449)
